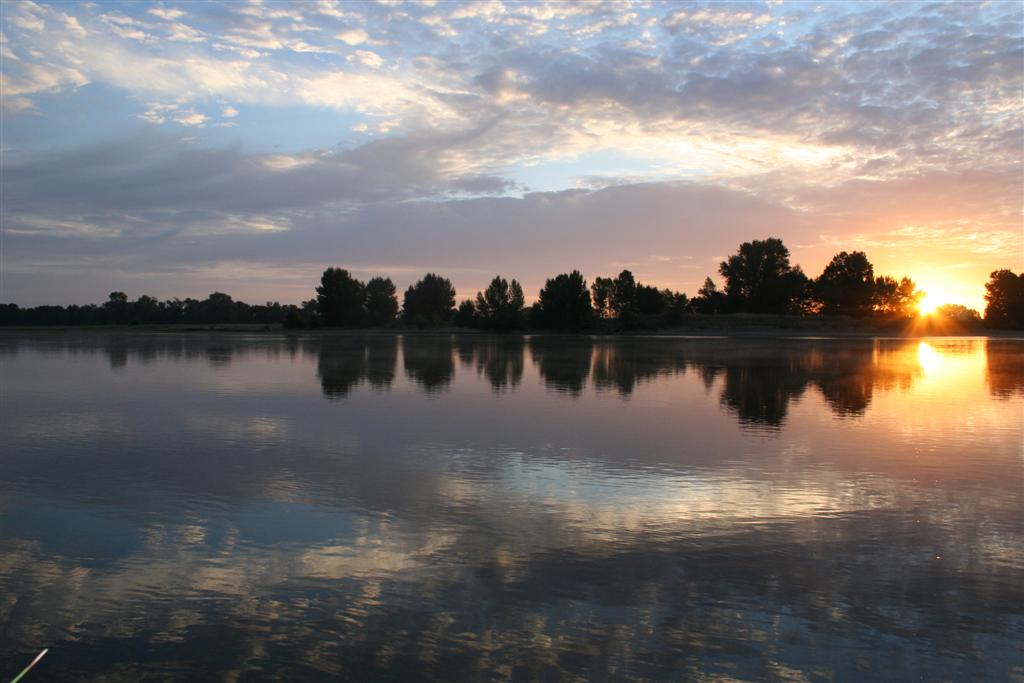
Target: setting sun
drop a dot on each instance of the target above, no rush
(939, 294)
(930, 303)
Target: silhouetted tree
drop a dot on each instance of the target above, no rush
(709, 298)
(959, 314)
(429, 302)
(293, 319)
(311, 313)
(847, 285)
(564, 303)
(145, 309)
(1004, 297)
(341, 299)
(381, 301)
(899, 299)
(466, 315)
(676, 305)
(623, 298)
(500, 307)
(116, 307)
(601, 294)
(649, 300)
(759, 278)
(218, 308)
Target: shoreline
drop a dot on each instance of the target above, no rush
(722, 328)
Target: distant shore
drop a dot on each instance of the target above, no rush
(722, 325)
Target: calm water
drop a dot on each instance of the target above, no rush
(236, 507)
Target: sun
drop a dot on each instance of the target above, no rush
(930, 303)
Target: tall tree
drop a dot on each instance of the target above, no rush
(759, 279)
(564, 303)
(649, 300)
(218, 308)
(1004, 297)
(501, 306)
(959, 314)
(847, 285)
(381, 301)
(623, 299)
(601, 293)
(431, 301)
(117, 308)
(341, 298)
(892, 298)
(676, 306)
(466, 315)
(145, 309)
(709, 298)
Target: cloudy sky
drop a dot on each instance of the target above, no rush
(178, 148)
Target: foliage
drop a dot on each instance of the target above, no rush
(466, 315)
(1004, 297)
(341, 299)
(649, 300)
(676, 306)
(564, 303)
(759, 278)
(960, 314)
(381, 301)
(500, 307)
(623, 296)
(898, 299)
(709, 298)
(633, 304)
(601, 295)
(216, 309)
(429, 302)
(847, 285)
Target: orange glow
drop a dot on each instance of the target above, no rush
(930, 303)
(940, 293)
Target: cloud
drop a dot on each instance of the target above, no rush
(160, 113)
(25, 15)
(887, 124)
(190, 117)
(485, 184)
(167, 14)
(353, 36)
(32, 78)
(718, 17)
(366, 58)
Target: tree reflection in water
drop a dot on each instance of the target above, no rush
(558, 508)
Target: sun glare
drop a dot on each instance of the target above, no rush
(930, 303)
(928, 357)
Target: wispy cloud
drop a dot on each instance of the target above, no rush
(894, 124)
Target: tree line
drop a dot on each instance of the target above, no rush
(218, 308)
(759, 278)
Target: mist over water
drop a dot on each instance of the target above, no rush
(246, 507)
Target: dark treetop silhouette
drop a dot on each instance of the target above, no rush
(759, 279)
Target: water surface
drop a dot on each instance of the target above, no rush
(247, 507)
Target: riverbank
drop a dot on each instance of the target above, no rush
(732, 325)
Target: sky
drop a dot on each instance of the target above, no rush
(180, 148)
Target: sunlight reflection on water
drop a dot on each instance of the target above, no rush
(438, 507)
